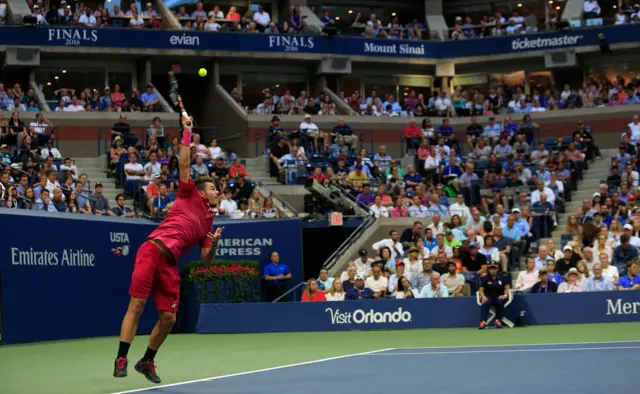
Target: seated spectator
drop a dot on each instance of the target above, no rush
(591, 9)
(120, 209)
(336, 292)
(100, 203)
(312, 293)
(453, 281)
(359, 291)
(572, 285)
(163, 202)
(434, 289)
(528, 278)
(631, 281)
(150, 100)
(44, 202)
(597, 281)
(544, 285)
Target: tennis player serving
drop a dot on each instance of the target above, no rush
(156, 267)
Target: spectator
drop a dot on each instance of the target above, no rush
(393, 243)
(598, 282)
(453, 281)
(544, 285)
(228, 206)
(529, 277)
(58, 200)
(312, 292)
(120, 209)
(405, 290)
(591, 9)
(44, 202)
(377, 283)
(623, 253)
(276, 274)
(336, 292)
(163, 202)
(434, 289)
(359, 291)
(100, 203)
(150, 99)
(631, 281)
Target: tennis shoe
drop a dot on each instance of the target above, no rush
(482, 325)
(148, 369)
(120, 367)
(498, 324)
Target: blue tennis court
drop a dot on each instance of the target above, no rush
(582, 368)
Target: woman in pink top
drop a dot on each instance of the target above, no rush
(399, 211)
(233, 14)
(117, 97)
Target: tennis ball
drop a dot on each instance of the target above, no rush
(202, 72)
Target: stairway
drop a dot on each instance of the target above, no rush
(95, 168)
(598, 171)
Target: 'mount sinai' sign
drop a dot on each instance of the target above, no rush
(394, 49)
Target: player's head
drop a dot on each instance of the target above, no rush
(207, 189)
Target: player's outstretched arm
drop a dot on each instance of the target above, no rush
(209, 253)
(185, 149)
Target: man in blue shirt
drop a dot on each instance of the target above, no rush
(358, 291)
(164, 202)
(276, 275)
(624, 253)
(631, 281)
(150, 100)
(412, 178)
(445, 131)
(598, 282)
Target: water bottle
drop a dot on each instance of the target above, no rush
(522, 319)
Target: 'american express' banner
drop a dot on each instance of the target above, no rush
(602, 307)
(352, 46)
(66, 276)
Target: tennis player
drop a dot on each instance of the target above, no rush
(156, 267)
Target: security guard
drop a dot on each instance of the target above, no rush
(494, 291)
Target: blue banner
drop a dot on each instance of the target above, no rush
(71, 280)
(352, 46)
(601, 307)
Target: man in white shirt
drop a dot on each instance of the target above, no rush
(392, 243)
(377, 283)
(541, 261)
(377, 209)
(70, 168)
(41, 125)
(540, 155)
(591, 9)
(136, 21)
(74, 106)
(227, 205)
(393, 279)
(153, 163)
(441, 247)
(436, 226)
(88, 19)
(310, 129)
(634, 126)
(49, 150)
(535, 196)
(630, 177)
(633, 240)
(39, 15)
(459, 208)
(529, 277)
(262, 17)
(453, 281)
(133, 170)
(443, 105)
(363, 263)
(52, 181)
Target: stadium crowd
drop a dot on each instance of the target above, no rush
(502, 207)
(110, 100)
(148, 171)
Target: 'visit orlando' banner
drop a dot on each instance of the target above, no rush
(351, 46)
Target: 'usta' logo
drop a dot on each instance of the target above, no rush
(360, 316)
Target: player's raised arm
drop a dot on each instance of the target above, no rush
(185, 148)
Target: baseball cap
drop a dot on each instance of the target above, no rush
(596, 194)
(628, 227)
(149, 85)
(98, 184)
(399, 262)
(447, 232)
(492, 264)
(363, 252)
(307, 116)
(451, 262)
(473, 245)
(542, 271)
(514, 210)
(492, 118)
(155, 176)
(567, 248)
(275, 118)
(358, 276)
(4, 146)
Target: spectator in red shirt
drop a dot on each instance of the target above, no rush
(399, 211)
(233, 14)
(354, 102)
(312, 293)
(317, 175)
(413, 135)
(238, 168)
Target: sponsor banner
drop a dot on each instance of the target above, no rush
(73, 281)
(601, 307)
(352, 46)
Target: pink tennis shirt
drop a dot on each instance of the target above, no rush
(188, 222)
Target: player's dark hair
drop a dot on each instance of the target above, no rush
(202, 181)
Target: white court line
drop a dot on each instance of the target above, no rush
(252, 372)
(517, 345)
(503, 351)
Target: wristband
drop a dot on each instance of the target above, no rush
(186, 137)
